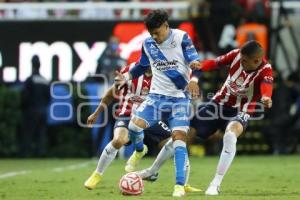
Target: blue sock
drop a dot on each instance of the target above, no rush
(139, 141)
(136, 136)
(180, 157)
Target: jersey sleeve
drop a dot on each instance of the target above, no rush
(266, 84)
(140, 67)
(223, 60)
(189, 52)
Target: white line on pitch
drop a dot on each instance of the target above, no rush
(15, 173)
(71, 167)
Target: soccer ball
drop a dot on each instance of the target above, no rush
(131, 184)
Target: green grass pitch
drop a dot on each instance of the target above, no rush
(248, 178)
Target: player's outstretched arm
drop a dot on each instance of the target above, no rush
(211, 64)
(105, 101)
(266, 87)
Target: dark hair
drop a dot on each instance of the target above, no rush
(36, 63)
(251, 47)
(156, 18)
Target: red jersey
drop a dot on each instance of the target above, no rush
(241, 89)
(133, 93)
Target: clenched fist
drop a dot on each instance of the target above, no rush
(267, 101)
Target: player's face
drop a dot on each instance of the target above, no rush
(160, 34)
(251, 63)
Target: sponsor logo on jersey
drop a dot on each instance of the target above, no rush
(239, 82)
(237, 88)
(152, 46)
(163, 65)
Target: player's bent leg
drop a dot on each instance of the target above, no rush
(136, 133)
(233, 130)
(108, 155)
(180, 159)
(151, 173)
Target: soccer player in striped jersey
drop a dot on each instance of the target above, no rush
(129, 98)
(249, 81)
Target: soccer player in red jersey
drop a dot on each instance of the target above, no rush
(249, 81)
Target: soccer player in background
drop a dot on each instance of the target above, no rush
(249, 81)
(171, 54)
(129, 99)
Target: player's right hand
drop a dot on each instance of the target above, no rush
(195, 65)
(120, 80)
(194, 89)
(267, 101)
(92, 119)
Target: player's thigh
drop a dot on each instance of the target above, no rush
(179, 120)
(121, 132)
(146, 114)
(206, 120)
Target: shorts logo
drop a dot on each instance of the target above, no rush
(121, 123)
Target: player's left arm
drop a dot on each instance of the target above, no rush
(266, 87)
(192, 58)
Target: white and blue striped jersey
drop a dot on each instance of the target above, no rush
(169, 63)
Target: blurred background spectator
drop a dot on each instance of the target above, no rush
(35, 102)
(110, 61)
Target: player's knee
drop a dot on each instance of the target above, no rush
(235, 127)
(137, 124)
(135, 127)
(179, 135)
(120, 140)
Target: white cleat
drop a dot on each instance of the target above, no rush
(213, 190)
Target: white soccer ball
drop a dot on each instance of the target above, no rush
(131, 184)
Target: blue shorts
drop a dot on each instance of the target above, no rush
(172, 109)
(211, 117)
(157, 133)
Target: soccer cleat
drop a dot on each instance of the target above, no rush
(147, 175)
(188, 188)
(134, 159)
(152, 177)
(93, 180)
(178, 191)
(213, 190)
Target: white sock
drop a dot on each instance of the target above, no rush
(108, 155)
(226, 158)
(187, 171)
(165, 153)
